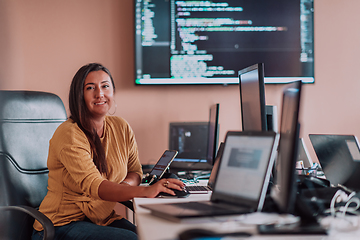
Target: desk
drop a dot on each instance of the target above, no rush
(154, 228)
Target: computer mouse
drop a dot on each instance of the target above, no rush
(178, 193)
(203, 233)
(195, 233)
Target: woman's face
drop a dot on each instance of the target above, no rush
(98, 93)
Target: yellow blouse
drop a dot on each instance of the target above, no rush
(74, 179)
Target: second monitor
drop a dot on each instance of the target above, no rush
(255, 115)
(196, 142)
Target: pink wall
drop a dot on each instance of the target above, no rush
(43, 43)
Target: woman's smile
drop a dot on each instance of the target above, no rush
(98, 93)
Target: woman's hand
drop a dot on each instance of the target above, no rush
(115, 192)
(164, 185)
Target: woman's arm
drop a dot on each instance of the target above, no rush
(128, 188)
(114, 192)
(131, 179)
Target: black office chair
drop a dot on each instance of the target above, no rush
(28, 120)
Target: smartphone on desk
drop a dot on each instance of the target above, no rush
(161, 166)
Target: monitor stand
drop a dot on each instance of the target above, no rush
(308, 223)
(271, 118)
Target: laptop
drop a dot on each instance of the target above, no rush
(195, 189)
(241, 182)
(339, 157)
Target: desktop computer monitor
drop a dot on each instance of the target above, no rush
(252, 98)
(213, 135)
(190, 140)
(196, 142)
(284, 190)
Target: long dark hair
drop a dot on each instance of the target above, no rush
(80, 114)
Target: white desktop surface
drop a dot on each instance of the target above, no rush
(150, 227)
(154, 228)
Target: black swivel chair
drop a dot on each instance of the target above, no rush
(28, 120)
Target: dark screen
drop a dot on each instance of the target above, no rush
(287, 152)
(339, 157)
(213, 133)
(190, 140)
(252, 98)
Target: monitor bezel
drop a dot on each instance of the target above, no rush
(213, 141)
(285, 175)
(214, 81)
(261, 87)
(178, 165)
(254, 205)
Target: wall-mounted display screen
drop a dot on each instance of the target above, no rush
(208, 42)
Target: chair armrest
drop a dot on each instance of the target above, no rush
(129, 204)
(49, 230)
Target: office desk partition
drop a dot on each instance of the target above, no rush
(151, 227)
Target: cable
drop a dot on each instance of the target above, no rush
(341, 196)
(338, 220)
(353, 209)
(333, 200)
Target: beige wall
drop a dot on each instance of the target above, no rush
(43, 43)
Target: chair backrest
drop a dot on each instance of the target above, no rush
(28, 120)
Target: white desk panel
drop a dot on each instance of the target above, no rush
(154, 228)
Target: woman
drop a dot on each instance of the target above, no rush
(93, 163)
